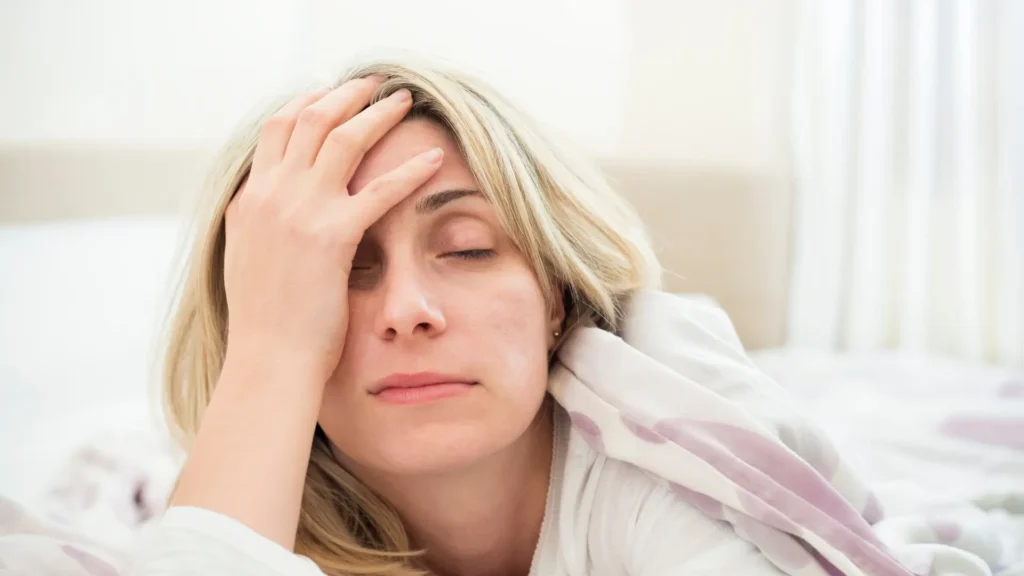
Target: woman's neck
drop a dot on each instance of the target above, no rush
(485, 519)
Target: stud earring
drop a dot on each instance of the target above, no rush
(557, 333)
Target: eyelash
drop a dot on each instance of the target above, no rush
(478, 254)
(471, 254)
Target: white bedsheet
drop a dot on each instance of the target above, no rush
(928, 434)
(951, 426)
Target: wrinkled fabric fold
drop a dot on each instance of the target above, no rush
(674, 394)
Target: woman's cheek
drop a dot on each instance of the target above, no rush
(518, 322)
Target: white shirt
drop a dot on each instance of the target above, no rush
(603, 518)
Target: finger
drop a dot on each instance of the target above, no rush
(232, 207)
(387, 190)
(345, 145)
(317, 120)
(277, 130)
(236, 196)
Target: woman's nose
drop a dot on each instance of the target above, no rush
(409, 307)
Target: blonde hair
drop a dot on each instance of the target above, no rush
(586, 245)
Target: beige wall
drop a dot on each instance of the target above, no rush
(704, 150)
(685, 102)
(708, 83)
(696, 81)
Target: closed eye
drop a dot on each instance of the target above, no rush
(478, 254)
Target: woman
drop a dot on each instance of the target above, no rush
(359, 359)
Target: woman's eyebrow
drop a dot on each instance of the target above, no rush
(436, 200)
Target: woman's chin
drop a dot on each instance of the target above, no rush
(428, 449)
(434, 438)
(435, 449)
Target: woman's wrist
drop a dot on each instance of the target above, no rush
(271, 368)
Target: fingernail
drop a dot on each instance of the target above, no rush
(402, 96)
(434, 156)
(377, 77)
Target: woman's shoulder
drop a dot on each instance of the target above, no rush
(631, 521)
(596, 484)
(614, 494)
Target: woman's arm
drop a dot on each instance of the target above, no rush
(250, 456)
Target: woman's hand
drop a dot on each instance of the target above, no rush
(293, 228)
(291, 235)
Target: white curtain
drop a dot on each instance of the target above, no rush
(909, 155)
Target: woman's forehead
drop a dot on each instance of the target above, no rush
(402, 143)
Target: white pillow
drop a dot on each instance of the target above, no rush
(81, 304)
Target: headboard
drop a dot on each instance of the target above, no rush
(721, 232)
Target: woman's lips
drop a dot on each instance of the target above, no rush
(423, 393)
(419, 387)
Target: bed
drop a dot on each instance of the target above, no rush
(86, 285)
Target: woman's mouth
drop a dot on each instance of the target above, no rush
(419, 387)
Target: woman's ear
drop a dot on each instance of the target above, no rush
(556, 322)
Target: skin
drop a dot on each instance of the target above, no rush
(342, 266)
